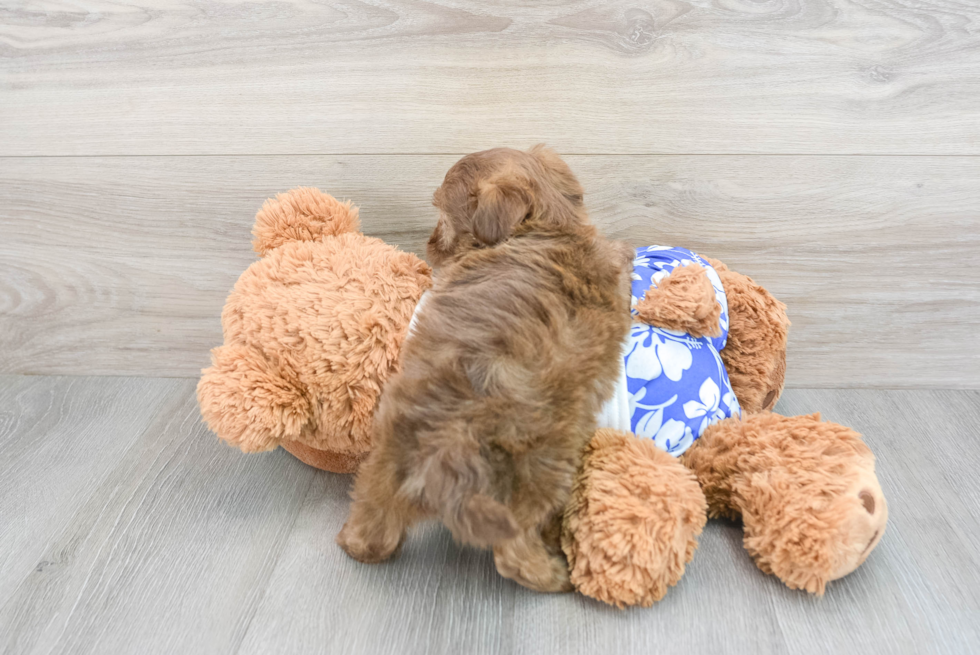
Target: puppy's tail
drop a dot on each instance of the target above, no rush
(453, 482)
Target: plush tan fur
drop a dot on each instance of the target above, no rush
(805, 490)
(632, 521)
(515, 350)
(303, 214)
(755, 353)
(684, 301)
(311, 332)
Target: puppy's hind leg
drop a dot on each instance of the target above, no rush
(528, 560)
(534, 557)
(379, 515)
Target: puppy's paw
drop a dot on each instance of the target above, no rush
(369, 550)
(547, 574)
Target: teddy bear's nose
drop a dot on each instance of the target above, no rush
(767, 403)
(868, 499)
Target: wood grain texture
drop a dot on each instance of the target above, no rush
(60, 439)
(121, 265)
(167, 553)
(435, 598)
(177, 543)
(410, 76)
(917, 593)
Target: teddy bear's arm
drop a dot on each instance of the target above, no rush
(685, 301)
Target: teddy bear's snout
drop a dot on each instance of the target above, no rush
(864, 529)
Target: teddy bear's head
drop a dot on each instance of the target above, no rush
(312, 331)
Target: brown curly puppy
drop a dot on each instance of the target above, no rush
(516, 348)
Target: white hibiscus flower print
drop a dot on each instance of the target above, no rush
(709, 407)
(679, 383)
(644, 261)
(649, 422)
(674, 437)
(640, 262)
(649, 356)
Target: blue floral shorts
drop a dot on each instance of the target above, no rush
(672, 385)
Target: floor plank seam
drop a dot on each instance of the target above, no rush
(272, 569)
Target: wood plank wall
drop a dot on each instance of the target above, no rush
(828, 148)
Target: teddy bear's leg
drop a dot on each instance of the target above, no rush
(684, 301)
(806, 491)
(632, 522)
(379, 514)
(250, 402)
(755, 353)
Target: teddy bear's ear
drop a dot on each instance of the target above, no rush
(302, 214)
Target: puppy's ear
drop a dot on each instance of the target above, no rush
(501, 204)
(559, 172)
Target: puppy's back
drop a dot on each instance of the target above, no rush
(515, 351)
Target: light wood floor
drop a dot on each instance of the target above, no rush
(125, 527)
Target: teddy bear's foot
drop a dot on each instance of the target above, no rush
(855, 537)
(632, 522)
(325, 460)
(807, 545)
(806, 491)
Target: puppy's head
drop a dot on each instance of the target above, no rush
(490, 196)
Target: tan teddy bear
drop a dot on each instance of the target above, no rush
(311, 332)
(313, 329)
(805, 490)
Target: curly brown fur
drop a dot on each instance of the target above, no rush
(516, 348)
(683, 300)
(632, 521)
(805, 490)
(755, 354)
